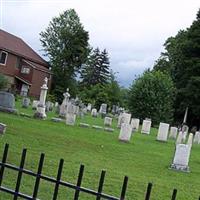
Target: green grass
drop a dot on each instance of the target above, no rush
(143, 160)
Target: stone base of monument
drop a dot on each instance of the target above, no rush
(2, 128)
(182, 168)
(40, 113)
(8, 110)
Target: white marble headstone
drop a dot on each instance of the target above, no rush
(181, 157)
(197, 137)
(35, 104)
(163, 132)
(135, 124)
(70, 119)
(108, 121)
(146, 126)
(89, 107)
(125, 132)
(124, 118)
(173, 132)
(190, 139)
(94, 112)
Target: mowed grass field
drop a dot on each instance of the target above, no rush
(143, 160)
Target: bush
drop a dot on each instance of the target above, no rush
(3, 82)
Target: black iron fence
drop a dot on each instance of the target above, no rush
(58, 182)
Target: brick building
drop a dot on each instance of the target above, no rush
(23, 67)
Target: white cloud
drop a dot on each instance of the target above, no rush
(132, 31)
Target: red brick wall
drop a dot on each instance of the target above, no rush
(10, 67)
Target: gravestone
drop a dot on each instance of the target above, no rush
(163, 132)
(25, 102)
(190, 139)
(48, 106)
(40, 112)
(7, 102)
(94, 112)
(103, 109)
(185, 128)
(181, 158)
(63, 106)
(108, 121)
(181, 137)
(84, 125)
(123, 118)
(108, 129)
(135, 124)
(173, 132)
(125, 132)
(70, 119)
(89, 107)
(55, 119)
(197, 137)
(146, 127)
(97, 127)
(2, 128)
(114, 109)
(35, 104)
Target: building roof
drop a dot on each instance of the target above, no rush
(16, 45)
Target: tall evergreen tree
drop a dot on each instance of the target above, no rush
(96, 70)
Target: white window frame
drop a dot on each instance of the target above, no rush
(25, 70)
(6, 57)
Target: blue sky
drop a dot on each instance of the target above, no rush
(133, 32)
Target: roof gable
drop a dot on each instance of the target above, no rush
(17, 46)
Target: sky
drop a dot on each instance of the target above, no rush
(132, 31)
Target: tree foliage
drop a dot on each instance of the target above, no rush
(96, 70)
(152, 96)
(66, 44)
(3, 81)
(182, 61)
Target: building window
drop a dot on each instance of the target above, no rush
(3, 57)
(25, 70)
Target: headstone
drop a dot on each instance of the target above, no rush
(2, 128)
(55, 119)
(7, 102)
(123, 118)
(181, 137)
(40, 113)
(146, 126)
(94, 112)
(197, 137)
(89, 107)
(97, 127)
(63, 106)
(25, 102)
(173, 132)
(190, 139)
(35, 104)
(185, 128)
(56, 104)
(84, 125)
(103, 109)
(125, 132)
(107, 121)
(181, 158)
(163, 132)
(48, 106)
(108, 129)
(135, 124)
(114, 109)
(70, 119)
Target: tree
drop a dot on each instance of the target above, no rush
(182, 61)
(3, 81)
(152, 95)
(66, 44)
(96, 70)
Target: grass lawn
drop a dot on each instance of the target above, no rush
(143, 160)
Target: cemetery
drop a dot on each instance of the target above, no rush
(76, 123)
(119, 145)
